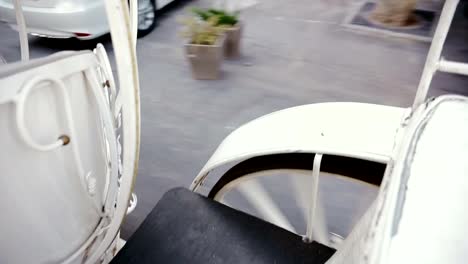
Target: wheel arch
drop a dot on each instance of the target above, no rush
(354, 130)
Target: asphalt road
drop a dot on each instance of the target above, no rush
(293, 54)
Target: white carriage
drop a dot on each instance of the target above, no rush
(69, 157)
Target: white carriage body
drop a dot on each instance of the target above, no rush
(57, 183)
(41, 198)
(419, 216)
(359, 130)
(68, 183)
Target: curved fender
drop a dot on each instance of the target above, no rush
(360, 130)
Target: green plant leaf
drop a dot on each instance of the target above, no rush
(204, 15)
(223, 17)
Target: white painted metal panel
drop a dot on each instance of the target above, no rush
(46, 212)
(359, 130)
(430, 218)
(419, 215)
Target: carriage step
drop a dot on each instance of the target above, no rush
(185, 227)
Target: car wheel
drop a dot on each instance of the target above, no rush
(146, 17)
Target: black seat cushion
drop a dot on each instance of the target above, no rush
(185, 227)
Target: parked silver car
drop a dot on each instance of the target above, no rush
(83, 19)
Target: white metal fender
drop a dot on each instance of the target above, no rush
(360, 130)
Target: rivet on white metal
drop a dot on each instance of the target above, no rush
(20, 100)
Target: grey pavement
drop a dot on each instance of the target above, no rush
(294, 53)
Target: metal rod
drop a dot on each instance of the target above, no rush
(127, 69)
(23, 35)
(302, 193)
(453, 67)
(435, 51)
(314, 195)
(134, 21)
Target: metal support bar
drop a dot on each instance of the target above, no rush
(435, 51)
(23, 34)
(314, 196)
(127, 69)
(134, 21)
(453, 67)
(302, 195)
(2, 60)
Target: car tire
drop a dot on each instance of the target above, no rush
(146, 17)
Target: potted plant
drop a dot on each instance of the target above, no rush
(227, 22)
(204, 48)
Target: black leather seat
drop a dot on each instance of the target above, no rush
(185, 227)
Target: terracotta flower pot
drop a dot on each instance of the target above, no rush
(232, 44)
(205, 60)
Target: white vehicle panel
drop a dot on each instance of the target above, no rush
(84, 19)
(429, 220)
(358, 130)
